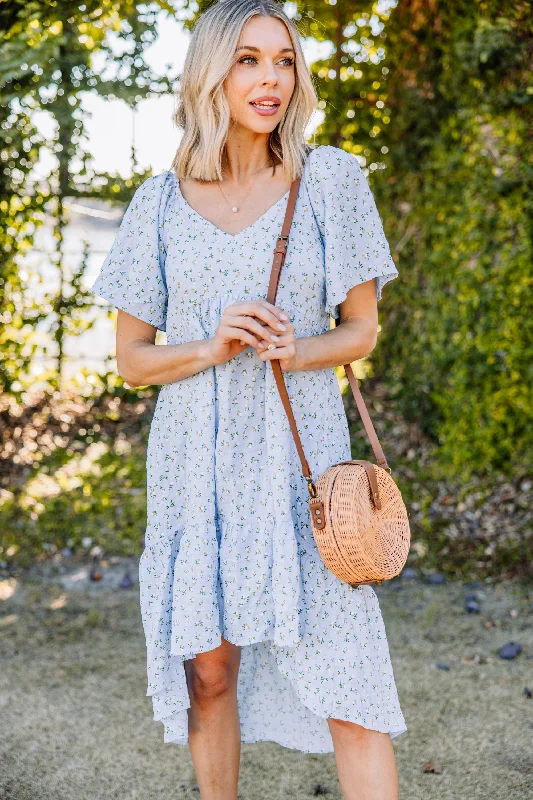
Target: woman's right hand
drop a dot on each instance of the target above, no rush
(243, 324)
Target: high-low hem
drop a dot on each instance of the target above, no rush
(317, 741)
(304, 683)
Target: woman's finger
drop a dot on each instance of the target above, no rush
(244, 336)
(276, 352)
(251, 324)
(277, 319)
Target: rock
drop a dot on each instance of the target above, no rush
(409, 574)
(443, 666)
(472, 607)
(66, 552)
(430, 766)
(126, 582)
(436, 579)
(510, 650)
(477, 658)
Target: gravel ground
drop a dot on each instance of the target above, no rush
(77, 725)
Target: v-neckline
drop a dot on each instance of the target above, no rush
(215, 227)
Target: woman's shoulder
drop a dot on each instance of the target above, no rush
(327, 160)
(156, 184)
(152, 195)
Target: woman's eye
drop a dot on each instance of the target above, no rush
(289, 61)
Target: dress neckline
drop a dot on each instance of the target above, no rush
(216, 227)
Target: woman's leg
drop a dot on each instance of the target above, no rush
(213, 720)
(365, 761)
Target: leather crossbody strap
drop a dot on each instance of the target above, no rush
(280, 252)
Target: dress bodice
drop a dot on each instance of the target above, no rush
(208, 268)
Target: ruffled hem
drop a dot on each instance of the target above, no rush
(298, 725)
(338, 290)
(296, 664)
(153, 312)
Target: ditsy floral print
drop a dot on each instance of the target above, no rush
(229, 545)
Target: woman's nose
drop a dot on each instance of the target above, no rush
(269, 75)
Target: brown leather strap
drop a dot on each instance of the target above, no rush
(280, 252)
(381, 461)
(372, 478)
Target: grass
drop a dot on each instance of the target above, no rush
(76, 723)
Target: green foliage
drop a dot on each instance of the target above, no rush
(457, 202)
(20, 215)
(48, 57)
(84, 485)
(107, 507)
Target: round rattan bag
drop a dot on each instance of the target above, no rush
(360, 522)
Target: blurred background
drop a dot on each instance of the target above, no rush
(435, 99)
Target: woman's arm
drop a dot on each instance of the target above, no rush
(141, 363)
(353, 338)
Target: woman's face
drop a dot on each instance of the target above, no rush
(261, 81)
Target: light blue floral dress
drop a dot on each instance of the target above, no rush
(229, 546)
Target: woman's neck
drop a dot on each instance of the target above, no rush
(243, 160)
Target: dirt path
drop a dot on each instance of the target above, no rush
(76, 724)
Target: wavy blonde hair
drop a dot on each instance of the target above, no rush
(202, 109)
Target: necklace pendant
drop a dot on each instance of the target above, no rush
(234, 209)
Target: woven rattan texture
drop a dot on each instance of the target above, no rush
(360, 543)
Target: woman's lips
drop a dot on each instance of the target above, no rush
(265, 111)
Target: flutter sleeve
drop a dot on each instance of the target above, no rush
(132, 276)
(355, 247)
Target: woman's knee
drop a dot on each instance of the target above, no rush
(209, 680)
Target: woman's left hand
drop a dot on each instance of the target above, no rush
(285, 349)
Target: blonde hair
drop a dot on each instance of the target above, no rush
(202, 110)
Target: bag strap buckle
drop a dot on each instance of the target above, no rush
(281, 245)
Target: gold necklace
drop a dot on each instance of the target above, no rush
(235, 209)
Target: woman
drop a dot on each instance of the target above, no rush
(249, 636)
